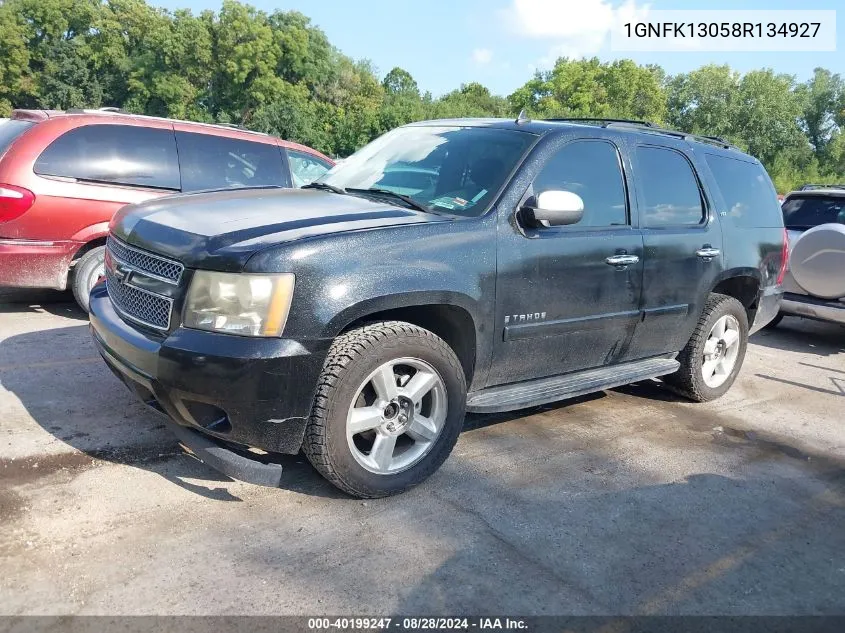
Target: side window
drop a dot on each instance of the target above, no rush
(669, 188)
(305, 168)
(114, 154)
(748, 192)
(217, 162)
(592, 170)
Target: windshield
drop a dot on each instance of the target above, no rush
(805, 212)
(455, 170)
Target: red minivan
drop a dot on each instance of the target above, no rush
(64, 174)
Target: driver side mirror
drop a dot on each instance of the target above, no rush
(555, 208)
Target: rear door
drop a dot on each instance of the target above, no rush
(682, 239)
(562, 305)
(210, 161)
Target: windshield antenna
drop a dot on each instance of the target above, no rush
(522, 117)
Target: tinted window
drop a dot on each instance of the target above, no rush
(119, 154)
(669, 188)
(748, 192)
(10, 130)
(447, 169)
(592, 170)
(305, 168)
(805, 212)
(216, 162)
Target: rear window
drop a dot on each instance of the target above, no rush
(114, 154)
(217, 162)
(805, 212)
(10, 130)
(748, 192)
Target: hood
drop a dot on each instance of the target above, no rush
(221, 230)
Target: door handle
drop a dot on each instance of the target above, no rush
(622, 260)
(707, 252)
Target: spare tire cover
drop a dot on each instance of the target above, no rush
(817, 261)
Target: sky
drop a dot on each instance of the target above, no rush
(500, 43)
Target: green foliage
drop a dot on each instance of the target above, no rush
(591, 89)
(276, 72)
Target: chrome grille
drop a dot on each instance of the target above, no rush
(139, 305)
(153, 265)
(125, 264)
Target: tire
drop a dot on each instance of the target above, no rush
(690, 379)
(352, 378)
(85, 273)
(771, 325)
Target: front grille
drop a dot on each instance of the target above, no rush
(124, 264)
(139, 305)
(148, 263)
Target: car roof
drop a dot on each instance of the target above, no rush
(817, 193)
(116, 115)
(624, 126)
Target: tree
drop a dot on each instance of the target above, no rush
(589, 88)
(822, 96)
(704, 101)
(399, 83)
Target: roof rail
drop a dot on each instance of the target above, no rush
(648, 126)
(118, 111)
(603, 120)
(811, 186)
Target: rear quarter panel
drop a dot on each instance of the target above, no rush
(753, 251)
(63, 210)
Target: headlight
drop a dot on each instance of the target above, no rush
(239, 303)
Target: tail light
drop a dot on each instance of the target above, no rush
(14, 202)
(784, 257)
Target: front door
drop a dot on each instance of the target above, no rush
(683, 242)
(568, 297)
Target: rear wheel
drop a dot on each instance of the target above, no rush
(388, 410)
(713, 357)
(87, 270)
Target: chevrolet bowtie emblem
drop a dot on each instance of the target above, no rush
(122, 274)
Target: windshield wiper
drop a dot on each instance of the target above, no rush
(325, 187)
(410, 202)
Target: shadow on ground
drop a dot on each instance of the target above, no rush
(67, 389)
(58, 302)
(795, 334)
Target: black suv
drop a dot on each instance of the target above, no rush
(448, 266)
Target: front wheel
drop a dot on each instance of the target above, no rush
(388, 410)
(713, 357)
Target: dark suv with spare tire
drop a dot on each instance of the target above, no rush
(448, 266)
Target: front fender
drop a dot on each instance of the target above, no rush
(342, 278)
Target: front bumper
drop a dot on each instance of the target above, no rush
(811, 308)
(252, 392)
(35, 264)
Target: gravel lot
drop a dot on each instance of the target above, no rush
(627, 502)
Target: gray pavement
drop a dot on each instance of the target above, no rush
(628, 502)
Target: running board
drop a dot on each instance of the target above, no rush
(531, 393)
